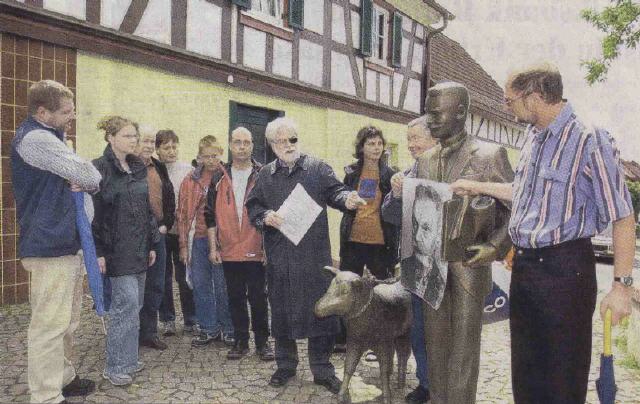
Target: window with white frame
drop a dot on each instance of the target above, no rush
(379, 34)
(268, 10)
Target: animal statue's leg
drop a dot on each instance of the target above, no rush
(385, 358)
(403, 349)
(351, 360)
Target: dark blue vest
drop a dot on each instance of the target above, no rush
(44, 204)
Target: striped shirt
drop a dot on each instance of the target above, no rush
(569, 184)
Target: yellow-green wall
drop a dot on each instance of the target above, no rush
(194, 108)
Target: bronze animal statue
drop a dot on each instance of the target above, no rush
(377, 316)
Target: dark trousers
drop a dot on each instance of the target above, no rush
(354, 257)
(418, 346)
(167, 309)
(552, 298)
(246, 280)
(153, 293)
(319, 350)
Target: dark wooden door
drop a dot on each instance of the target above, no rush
(255, 119)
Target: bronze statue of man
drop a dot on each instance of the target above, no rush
(452, 332)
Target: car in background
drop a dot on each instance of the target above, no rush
(603, 244)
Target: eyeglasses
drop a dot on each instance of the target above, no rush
(508, 101)
(209, 157)
(282, 142)
(236, 142)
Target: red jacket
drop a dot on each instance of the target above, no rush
(192, 197)
(238, 242)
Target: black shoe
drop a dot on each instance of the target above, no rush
(154, 343)
(281, 377)
(418, 396)
(265, 353)
(240, 349)
(78, 387)
(204, 339)
(331, 383)
(340, 348)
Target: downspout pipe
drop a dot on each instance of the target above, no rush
(426, 71)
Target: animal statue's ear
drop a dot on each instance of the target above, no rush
(366, 273)
(357, 283)
(333, 270)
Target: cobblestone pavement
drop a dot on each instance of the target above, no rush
(185, 374)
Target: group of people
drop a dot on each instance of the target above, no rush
(217, 227)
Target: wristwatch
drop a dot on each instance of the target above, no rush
(625, 280)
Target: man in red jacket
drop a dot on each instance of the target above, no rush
(235, 243)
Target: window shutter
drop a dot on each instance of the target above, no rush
(396, 47)
(296, 13)
(242, 3)
(366, 17)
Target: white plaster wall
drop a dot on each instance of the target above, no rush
(204, 26)
(418, 51)
(73, 8)
(385, 89)
(341, 77)
(412, 100)
(407, 23)
(360, 63)
(356, 2)
(156, 22)
(314, 16)
(338, 31)
(310, 63)
(405, 51)
(355, 29)
(420, 31)
(112, 12)
(282, 53)
(254, 48)
(397, 86)
(371, 85)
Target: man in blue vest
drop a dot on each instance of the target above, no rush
(45, 172)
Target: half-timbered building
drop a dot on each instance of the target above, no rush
(204, 67)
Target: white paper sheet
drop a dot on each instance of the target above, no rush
(299, 211)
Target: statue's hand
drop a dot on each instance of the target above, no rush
(481, 254)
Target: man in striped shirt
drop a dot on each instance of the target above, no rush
(569, 185)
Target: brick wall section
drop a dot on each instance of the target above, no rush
(22, 62)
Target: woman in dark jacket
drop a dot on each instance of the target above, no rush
(124, 230)
(365, 239)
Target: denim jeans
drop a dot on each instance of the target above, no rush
(417, 341)
(127, 295)
(209, 290)
(153, 293)
(173, 264)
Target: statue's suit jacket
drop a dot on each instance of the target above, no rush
(453, 332)
(477, 161)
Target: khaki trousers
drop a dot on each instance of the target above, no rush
(56, 298)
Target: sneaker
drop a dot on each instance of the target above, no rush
(419, 395)
(194, 329)
(139, 367)
(240, 349)
(118, 379)
(265, 353)
(78, 387)
(370, 357)
(331, 383)
(204, 338)
(169, 328)
(228, 339)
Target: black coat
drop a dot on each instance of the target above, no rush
(389, 231)
(124, 228)
(295, 276)
(168, 195)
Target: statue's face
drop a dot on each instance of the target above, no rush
(445, 114)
